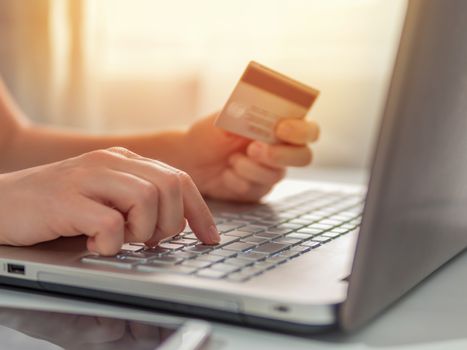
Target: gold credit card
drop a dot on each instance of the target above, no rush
(261, 98)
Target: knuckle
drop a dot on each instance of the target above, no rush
(184, 178)
(111, 223)
(172, 183)
(148, 194)
(97, 156)
(119, 150)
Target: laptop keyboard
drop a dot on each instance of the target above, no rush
(252, 242)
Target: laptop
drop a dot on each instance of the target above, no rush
(326, 255)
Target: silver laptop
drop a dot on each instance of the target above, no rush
(326, 255)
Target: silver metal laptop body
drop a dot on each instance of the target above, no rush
(286, 264)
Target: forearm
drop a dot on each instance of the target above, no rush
(34, 145)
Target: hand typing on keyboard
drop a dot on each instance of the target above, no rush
(113, 196)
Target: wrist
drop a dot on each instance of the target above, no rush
(168, 147)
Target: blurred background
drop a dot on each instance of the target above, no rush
(117, 66)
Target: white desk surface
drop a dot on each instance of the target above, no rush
(431, 317)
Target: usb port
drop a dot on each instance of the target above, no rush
(16, 269)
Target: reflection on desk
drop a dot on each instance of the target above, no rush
(27, 329)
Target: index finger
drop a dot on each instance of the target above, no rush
(195, 208)
(297, 131)
(197, 213)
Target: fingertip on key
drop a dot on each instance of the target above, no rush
(213, 234)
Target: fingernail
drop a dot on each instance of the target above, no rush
(214, 234)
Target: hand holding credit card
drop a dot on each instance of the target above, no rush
(260, 100)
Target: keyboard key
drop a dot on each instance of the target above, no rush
(252, 271)
(287, 241)
(155, 251)
(219, 221)
(231, 216)
(329, 221)
(134, 256)
(196, 263)
(252, 256)
(290, 253)
(310, 231)
(311, 217)
(252, 228)
(268, 235)
(239, 246)
(238, 277)
(112, 261)
(129, 247)
(185, 254)
(210, 258)
(300, 222)
(322, 227)
(238, 223)
(177, 269)
(347, 214)
(300, 249)
(199, 249)
(321, 239)
(184, 241)
(347, 226)
(265, 265)
(290, 226)
(224, 253)
(239, 234)
(339, 217)
(270, 248)
(331, 234)
(254, 240)
(311, 244)
(279, 229)
(136, 244)
(167, 259)
(222, 228)
(277, 259)
(270, 222)
(225, 267)
(225, 240)
(296, 235)
(210, 273)
(148, 253)
(239, 262)
(170, 246)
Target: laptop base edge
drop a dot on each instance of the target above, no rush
(178, 309)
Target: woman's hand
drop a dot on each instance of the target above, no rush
(112, 196)
(227, 166)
